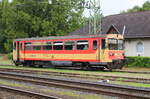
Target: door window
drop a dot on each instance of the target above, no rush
(103, 43)
(94, 44)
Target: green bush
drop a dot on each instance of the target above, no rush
(138, 61)
(10, 56)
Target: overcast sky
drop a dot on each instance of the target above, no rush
(110, 7)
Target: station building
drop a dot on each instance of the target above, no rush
(134, 26)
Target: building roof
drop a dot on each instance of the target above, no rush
(136, 25)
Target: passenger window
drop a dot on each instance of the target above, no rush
(48, 46)
(82, 45)
(58, 45)
(70, 45)
(36, 47)
(95, 44)
(28, 46)
(103, 44)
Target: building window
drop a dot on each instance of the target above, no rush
(140, 48)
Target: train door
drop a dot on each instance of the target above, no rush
(96, 47)
(21, 51)
(103, 49)
(18, 50)
(14, 51)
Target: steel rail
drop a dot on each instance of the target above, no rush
(140, 72)
(84, 76)
(28, 93)
(122, 91)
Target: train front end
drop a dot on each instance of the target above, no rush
(116, 53)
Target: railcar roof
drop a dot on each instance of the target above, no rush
(60, 37)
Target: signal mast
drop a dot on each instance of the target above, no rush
(95, 16)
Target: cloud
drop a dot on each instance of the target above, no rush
(116, 6)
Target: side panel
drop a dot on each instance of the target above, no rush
(89, 55)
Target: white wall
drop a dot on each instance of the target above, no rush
(131, 47)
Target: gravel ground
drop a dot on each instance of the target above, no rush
(59, 92)
(9, 95)
(98, 73)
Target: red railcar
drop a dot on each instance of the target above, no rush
(95, 51)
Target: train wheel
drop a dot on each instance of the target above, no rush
(101, 68)
(16, 64)
(110, 66)
(24, 64)
(86, 65)
(40, 66)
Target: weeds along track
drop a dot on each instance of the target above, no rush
(81, 76)
(32, 94)
(138, 72)
(92, 87)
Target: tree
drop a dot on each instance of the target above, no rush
(145, 7)
(37, 18)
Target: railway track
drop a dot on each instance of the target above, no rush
(82, 76)
(142, 72)
(122, 71)
(27, 93)
(94, 87)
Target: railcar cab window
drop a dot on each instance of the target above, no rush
(69, 45)
(47, 46)
(58, 45)
(120, 45)
(28, 46)
(114, 44)
(82, 45)
(94, 44)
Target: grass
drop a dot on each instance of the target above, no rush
(138, 69)
(4, 59)
(84, 96)
(12, 84)
(131, 84)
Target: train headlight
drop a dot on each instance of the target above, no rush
(111, 54)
